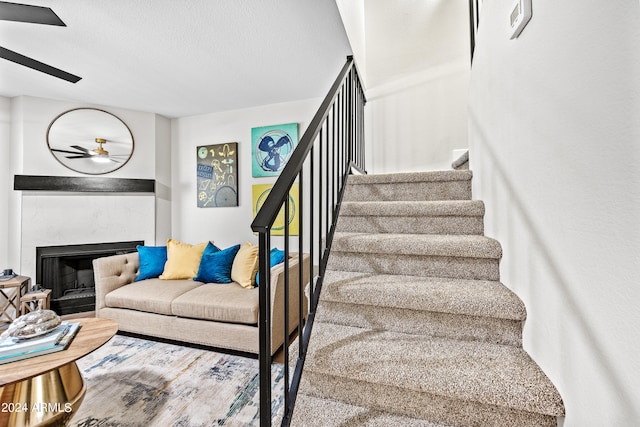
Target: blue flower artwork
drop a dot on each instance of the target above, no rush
(271, 148)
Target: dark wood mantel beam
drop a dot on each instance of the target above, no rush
(83, 184)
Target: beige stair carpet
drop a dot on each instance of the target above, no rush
(413, 326)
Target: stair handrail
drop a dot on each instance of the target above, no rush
(267, 214)
(474, 22)
(343, 109)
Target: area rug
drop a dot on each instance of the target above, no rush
(133, 382)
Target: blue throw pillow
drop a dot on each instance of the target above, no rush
(215, 265)
(276, 257)
(152, 260)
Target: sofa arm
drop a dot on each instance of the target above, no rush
(277, 298)
(112, 272)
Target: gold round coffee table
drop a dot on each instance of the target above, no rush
(47, 390)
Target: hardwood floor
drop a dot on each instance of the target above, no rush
(78, 315)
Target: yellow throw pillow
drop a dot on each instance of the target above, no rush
(245, 265)
(183, 260)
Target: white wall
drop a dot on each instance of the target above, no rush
(37, 114)
(352, 13)
(56, 219)
(554, 145)
(163, 179)
(226, 226)
(414, 58)
(5, 148)
(414, 124)
(15, 167)
(408, 37)
(50, 218)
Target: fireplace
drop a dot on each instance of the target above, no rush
(68, 271)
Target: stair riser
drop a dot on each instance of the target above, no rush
(324, 413)
(415, 404)
(416, 265)
(397, 347)
(441, 325)
(414, 225)
(409, 191)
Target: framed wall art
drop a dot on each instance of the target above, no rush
(271, 147)
(217, 175)
(260, 193)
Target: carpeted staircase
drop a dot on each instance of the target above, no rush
(413, 327)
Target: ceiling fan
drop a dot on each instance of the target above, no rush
(35, 15)
(98, 154)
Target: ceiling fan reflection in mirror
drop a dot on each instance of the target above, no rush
(17, 12)
(73, 135)
(97, 155)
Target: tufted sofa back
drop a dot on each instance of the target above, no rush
(118, 271)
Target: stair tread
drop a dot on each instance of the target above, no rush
(456, 296)
(431, 176)
(492, 374)
(319, 412)
(413, 208)
(445, 245)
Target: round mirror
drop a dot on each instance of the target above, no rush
(91, 141)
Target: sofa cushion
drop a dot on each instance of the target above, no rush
(152, 260)
(183, 260)
(215, 265)
(245, 265)
(151, 295)
(276, 256)
(219, 302)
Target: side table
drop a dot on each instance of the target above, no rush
(11, 292)
(46, 390)
(35, 300)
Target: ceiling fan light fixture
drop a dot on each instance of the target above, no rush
(100, 154)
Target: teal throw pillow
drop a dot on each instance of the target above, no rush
(152, 260)
(215, 264)
(276, 257)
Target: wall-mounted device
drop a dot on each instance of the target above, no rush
(520, 16)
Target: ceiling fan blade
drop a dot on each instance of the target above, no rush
(79, 148)
(28, 13)
(79, 156)
(37, 65)
(64, 151)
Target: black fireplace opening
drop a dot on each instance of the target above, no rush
(68, 271)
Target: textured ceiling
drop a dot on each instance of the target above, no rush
(179, 58)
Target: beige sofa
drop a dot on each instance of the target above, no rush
(217, 315)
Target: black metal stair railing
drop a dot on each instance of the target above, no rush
(474, 21)
(331, 147)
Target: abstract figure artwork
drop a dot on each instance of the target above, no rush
(260, 193)
(271, 147)
(217, 175)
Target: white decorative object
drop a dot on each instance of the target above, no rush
(33, 324)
